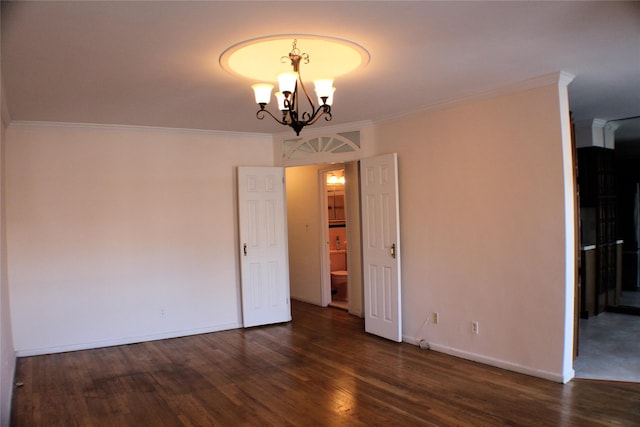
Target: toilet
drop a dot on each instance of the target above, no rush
(339, 280)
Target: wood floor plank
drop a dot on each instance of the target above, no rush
(320, 369)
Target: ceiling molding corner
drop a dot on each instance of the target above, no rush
(564, 78)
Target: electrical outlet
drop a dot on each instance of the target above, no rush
(475, 327)
(435, 318)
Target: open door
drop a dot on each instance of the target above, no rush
(264, 262)
(381, 246)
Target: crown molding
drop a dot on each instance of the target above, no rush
(324, 130)
(96, 126)
(564, 78)
(561, 78)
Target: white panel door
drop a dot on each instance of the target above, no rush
(263, 246)
(381, 246)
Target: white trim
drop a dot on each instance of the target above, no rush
(565, 78)
(323, 159)
(608, 133)
(590, 133)
(325, 259)
(598, 123)
(97, 126)
(313, 132)
(289, 153)
(562, 78)
(569, 190)
(498, 363)
(123, 341)
(287, 156)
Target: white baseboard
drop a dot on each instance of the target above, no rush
(124, 341)
(498, 363)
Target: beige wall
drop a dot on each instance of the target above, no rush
(122, 234)
(482, 210)
(484, 203)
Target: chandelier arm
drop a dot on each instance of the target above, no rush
(260, 116)
(304, 89)
(306, 117)
(323, 110)
(294, 105)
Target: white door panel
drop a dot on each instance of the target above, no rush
(263, 245)
(381, 243)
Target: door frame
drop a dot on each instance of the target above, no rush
(316, 151)
(325, 280)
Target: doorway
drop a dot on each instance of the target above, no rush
(336, 236)
(609, 194)
(376, 251)
(314, 232)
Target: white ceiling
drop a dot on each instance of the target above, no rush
(155, 63)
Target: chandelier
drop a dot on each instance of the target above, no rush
(289, 97)
(336, 180)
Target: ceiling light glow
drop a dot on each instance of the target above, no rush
(262, 59)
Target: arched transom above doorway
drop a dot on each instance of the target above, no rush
(334, 147)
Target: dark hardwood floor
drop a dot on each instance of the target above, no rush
(320, 369)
